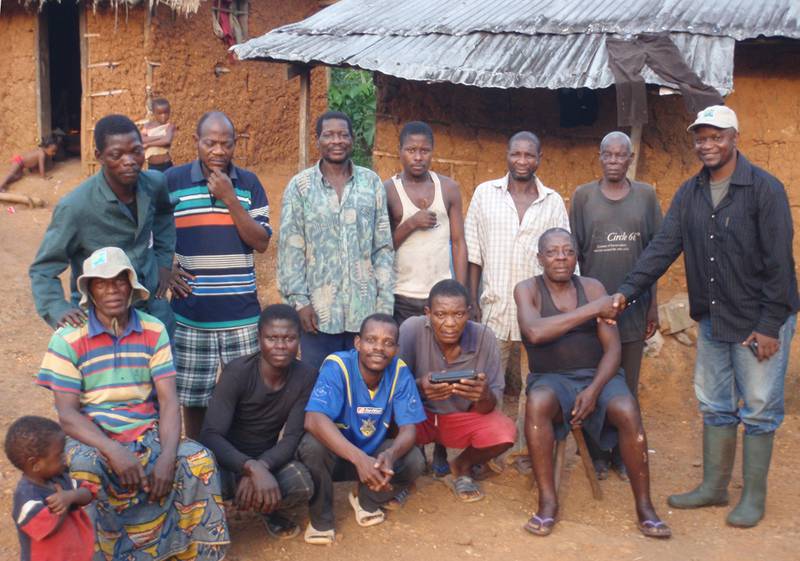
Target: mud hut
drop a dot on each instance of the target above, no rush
(479, 71)
(67, 63)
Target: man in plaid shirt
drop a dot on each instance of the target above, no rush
(505, 219)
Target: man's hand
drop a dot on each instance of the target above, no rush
(605, 308)
(162, 477)
(308, 319)
(652, 322)
(164, 281)
(385, 464)
(127, 467)
(267, 492)
(74, 317)
(619, 302)
(767, 346)
(369, 474)
(424, 219)
(472, 390)
(475, 312)
(245, 493)
(221, 187)
(60, 501)
(434, 392)
(585, 403)
(179, 281)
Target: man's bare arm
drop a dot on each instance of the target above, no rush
(474, 273)
(452, 195)
(537, 329)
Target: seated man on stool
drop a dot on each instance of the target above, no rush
(358, 396)
(575, 378)
(464, 414)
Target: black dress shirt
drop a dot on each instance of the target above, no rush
(738, 256)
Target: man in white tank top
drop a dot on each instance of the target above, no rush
(427, 224)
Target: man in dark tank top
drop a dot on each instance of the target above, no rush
(575, 379)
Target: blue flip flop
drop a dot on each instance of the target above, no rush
(539, 526)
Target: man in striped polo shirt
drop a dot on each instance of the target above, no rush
(221, 216)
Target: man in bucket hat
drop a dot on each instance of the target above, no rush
(112, 265)
(113, 384)
(733, 224)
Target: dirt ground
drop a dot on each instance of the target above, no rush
(433, 523)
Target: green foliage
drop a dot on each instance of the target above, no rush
(353, 92)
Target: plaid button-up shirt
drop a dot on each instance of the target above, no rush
(506, 248)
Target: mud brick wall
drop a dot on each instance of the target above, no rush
(196, 74)
(17, 81)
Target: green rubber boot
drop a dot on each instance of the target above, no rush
(719, 451)
(756, 455)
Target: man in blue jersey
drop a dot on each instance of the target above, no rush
(358, 396)
(221, 216)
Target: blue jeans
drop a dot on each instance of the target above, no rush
(727, 373)
(314, 347)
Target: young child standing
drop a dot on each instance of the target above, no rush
(51, 524)
(157, 135)
(30, 160)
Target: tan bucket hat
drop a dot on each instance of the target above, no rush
(107, 263)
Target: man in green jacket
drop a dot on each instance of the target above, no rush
(120, 206)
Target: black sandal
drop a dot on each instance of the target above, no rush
(279, 527)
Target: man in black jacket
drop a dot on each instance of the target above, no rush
(733, 223)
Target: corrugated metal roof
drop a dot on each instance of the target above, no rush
(740, 19)
(513, 43)
(490, 60)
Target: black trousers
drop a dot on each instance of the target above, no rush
(626, 59)
(293, 479)
(405, 308)
(162, 167)
(326, 467)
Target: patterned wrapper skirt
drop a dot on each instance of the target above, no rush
(187, 524)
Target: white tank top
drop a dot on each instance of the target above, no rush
(424, 258)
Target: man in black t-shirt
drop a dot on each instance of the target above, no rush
(256, 397)
(613, 219)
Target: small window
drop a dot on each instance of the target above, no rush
(577, 107)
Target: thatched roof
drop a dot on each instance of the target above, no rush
(185, 7)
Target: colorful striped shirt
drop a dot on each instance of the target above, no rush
(113, 376)
(210, 248)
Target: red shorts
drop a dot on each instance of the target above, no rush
(18, 160)
(462, 430)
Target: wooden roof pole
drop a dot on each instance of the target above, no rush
(636, 141)
(304, 111)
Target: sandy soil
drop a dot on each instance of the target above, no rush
(433, 522)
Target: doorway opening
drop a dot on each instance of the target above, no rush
(64, 72)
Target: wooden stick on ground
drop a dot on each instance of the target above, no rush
(15, 198)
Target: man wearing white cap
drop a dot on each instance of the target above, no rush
(733, 224)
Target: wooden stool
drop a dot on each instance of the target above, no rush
(586, 459)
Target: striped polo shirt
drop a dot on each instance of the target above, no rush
(209, 247)
(114, 377)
